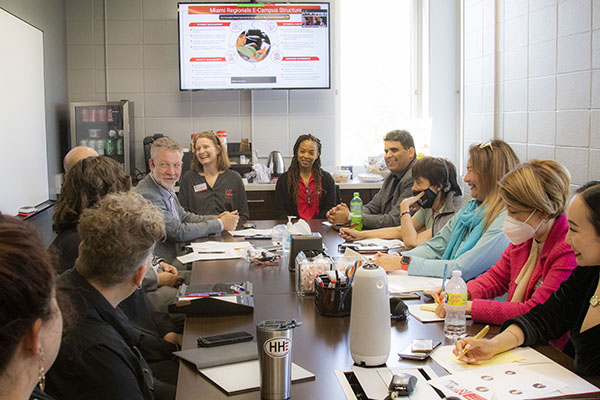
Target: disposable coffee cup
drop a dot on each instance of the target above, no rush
(274, 341)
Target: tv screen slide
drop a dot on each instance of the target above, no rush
(254, 46)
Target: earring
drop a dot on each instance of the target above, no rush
(42, 373)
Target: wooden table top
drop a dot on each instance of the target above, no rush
(320, 345)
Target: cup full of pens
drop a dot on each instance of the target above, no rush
(333, 293)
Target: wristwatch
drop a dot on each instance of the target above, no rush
(404, 263)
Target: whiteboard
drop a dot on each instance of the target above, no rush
(23, 157)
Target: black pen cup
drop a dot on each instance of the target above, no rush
(333, 302)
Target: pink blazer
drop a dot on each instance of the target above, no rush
(556, 262)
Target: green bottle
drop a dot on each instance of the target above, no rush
(356, 212)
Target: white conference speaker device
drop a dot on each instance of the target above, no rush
(370, 317)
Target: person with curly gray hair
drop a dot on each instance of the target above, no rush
(100, 357)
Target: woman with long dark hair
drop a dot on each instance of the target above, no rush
(30, 320)
(88, 181)
(305, 190)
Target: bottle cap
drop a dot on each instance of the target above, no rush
(457, 272)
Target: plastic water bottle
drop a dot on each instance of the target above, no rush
(456, 306)
(286, 240)
(356, 212)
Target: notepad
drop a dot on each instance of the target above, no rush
(425, 312)
(443, 355)
(205, 357)
(428, 307)
(245, 376)
(401, 282)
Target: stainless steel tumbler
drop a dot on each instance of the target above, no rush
(274, 340)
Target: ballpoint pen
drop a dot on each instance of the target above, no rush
(207, 294)
(481, 334)
(444, 277)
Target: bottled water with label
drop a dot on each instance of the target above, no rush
(456, 306)
(356, 212)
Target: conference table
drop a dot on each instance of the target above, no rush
(321, 345)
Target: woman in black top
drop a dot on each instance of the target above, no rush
(30, 320)
(210, 186)
(574, 307)
(305, 190)
(88, 181)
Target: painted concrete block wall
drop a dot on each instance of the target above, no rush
(142, 66)
(547, 80)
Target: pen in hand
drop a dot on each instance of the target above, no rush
(444, 277)
(439, 298)
(481, 334)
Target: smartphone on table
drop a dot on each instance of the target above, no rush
(419, 349)
(223, 339)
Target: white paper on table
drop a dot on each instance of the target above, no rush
(576, 384)
(525, 355)
(401, 282)
(351, 256)
(425, 316)
(252, 232)
(231, 299)
(219, 246)
(375, 381)
(245, 376)
(503, 381)
(389, 243)
(226, 255)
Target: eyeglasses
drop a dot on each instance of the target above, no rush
(487, 144)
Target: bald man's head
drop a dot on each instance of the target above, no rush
(76, 154)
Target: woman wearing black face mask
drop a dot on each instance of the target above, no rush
(437, 196)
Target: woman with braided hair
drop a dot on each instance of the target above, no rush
(305, 190)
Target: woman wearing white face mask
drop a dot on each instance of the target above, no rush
(573, 308)
(538, 258)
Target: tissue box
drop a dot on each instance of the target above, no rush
(310, 263)
(298, 243)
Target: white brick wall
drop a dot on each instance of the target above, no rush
(547, 80)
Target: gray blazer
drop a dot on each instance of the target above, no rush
(384, 210)
(189, 227)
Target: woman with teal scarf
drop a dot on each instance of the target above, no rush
(472, 241)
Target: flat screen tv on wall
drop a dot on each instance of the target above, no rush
(254, 46)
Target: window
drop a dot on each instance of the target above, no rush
(380, 79)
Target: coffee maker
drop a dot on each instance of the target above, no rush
(275, 162)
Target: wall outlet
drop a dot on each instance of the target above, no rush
(58, 181)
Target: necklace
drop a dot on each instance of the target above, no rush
(594, 301)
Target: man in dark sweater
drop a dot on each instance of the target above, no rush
(384, 209)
